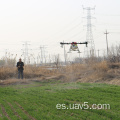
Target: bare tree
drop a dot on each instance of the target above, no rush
(57, 61)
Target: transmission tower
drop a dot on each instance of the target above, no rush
(89, 35)
(25, 52)
(43, 54)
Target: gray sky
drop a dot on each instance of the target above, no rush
(48, 22)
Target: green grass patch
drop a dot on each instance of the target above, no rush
(39, 100)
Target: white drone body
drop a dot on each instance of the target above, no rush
(74, 47)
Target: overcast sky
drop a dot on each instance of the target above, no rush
(49, 22)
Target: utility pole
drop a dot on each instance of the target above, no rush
(107, 41)
(41, 48)
(89, 35)
(49, 59)
(98, 53)
(64, 54)
(25, 52)
(38, 58)
(79, 57)
(6, 57)
(44, 53)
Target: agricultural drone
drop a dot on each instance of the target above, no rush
(74, 46)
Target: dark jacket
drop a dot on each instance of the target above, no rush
(21, 64)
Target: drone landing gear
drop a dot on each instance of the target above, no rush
(70, 51)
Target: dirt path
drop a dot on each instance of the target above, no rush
(83, 79)
(4, 112)
(0, 116)
(14, 111)
(30, 117)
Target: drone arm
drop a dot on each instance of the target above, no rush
(83, 43)
(62, 43)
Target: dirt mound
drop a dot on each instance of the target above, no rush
(13, 82)
(29, 81)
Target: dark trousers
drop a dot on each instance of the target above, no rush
(20, 74)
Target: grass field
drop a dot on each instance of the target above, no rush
(37, 101)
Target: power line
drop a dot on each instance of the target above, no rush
(107, 41)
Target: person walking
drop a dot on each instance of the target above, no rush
(20, 66)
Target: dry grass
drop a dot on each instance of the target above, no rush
(102, 72)
(102, 66)
(29, 72)
(7, 72)
(73, 72)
